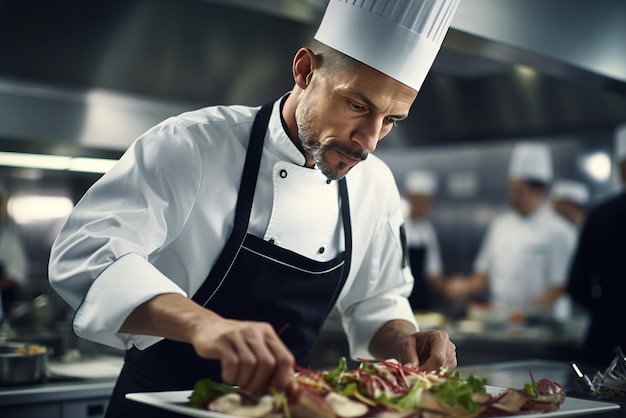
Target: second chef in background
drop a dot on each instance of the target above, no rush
(522, 263)
(424, 254)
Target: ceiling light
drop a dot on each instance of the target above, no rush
(598, 166)
(56, 162)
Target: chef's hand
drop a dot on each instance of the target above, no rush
(456, 289)
(429, 350)
(459, 288)
(251, 354)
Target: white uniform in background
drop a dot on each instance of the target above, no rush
(13, 264)
(422, 244)
(573, 192)
(422, 234)
(13, 255)
(523, 256)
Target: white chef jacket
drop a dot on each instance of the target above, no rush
(157, 222)
(524, 256)
(421, 233)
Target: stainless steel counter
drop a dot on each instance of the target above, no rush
(56, 391)
(73, 389)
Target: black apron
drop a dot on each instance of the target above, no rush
(421, 295)
(252, 279)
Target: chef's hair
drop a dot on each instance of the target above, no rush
(539, 185)
(332, 60)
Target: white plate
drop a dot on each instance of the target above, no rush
(176, 401)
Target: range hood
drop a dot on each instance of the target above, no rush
(88, 78)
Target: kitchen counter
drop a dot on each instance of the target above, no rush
(488, 341)
(56, 390)
(75, 389)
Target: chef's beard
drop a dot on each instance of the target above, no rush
(312, 146)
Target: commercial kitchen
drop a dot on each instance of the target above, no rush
(80, 81)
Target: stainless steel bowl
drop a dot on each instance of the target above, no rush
(22, 368)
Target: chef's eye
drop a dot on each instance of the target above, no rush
(356, 107)
(391, 121)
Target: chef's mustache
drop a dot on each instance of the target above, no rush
(356, 154)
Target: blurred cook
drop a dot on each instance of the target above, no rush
(420, 187)
(569, 198)
(222, 239)
(13, 258)
(597, 277)
(523, 259)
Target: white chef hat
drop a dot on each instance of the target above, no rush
(420, 182)
(620, 142)
(570, 190)
(399, 38)
(531, 161)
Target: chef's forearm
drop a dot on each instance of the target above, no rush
(477, 284)
(168, 315)
(384, 343)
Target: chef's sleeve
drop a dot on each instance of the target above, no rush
(483, 261)
(434, 265)
(563, 247)
(99, 261)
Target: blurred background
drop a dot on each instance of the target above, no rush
(80, 80)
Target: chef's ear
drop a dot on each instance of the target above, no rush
(303, 67)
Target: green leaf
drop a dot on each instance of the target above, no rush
(454, 391)
(206, 390)
(531, 389)
(411, 400)
(333, 378)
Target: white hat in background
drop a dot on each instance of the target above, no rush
(620, 142)
(570, 190)
(420, 182)
(399, 38)
(531, 161)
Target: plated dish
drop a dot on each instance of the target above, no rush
(178, 401)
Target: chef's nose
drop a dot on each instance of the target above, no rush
(367, 134)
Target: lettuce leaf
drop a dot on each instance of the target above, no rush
(333, 378)
(454, 390)
(206, 390)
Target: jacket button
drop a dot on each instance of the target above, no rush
(321, 250)
(283, 173)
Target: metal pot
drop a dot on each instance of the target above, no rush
(18, 368)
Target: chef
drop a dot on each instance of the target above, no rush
(597, 277)
(422, 243)
(13, 259)
(523, 259)
(569, 198)
(223, 237)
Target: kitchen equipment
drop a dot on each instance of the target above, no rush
(612, 382)
(22, 363)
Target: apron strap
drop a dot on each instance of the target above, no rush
(347, 227)
(244, 206)
(243, 209)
